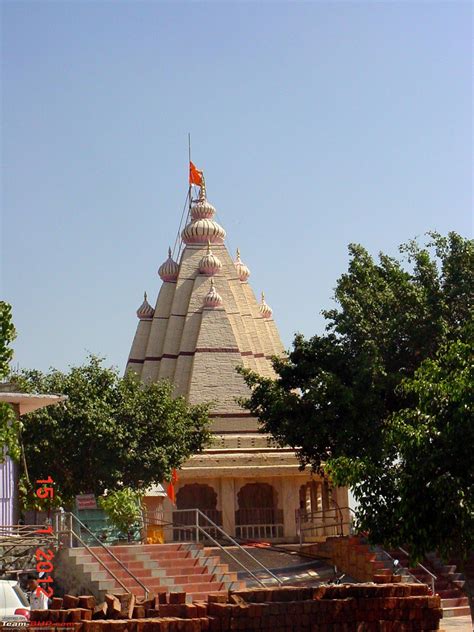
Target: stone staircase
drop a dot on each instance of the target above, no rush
(448, 585)
(186, 567)
(355, 557)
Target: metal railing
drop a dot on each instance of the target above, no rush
(324, 522)
(64, 527)
(395, 565)
(14, 534)
(432, 576)
(205, 528)
(18, 544)
(259, 516)
(259, 531)
(187, 517)
(403, 570)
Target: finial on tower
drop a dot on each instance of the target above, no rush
(212, 298)
(264, 309)
(202, 192)
(209, 264)
(241, 268)
(169, 270)
(145, 311)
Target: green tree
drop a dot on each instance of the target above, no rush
(123, 508)
(9, 425)
(112, 432)
(337, 396)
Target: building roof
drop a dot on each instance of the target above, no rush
(28, 402)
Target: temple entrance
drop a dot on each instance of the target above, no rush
(190, 497)
(258, 515)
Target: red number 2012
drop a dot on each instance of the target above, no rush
(43, 558)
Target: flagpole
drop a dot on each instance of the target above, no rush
(189, 161)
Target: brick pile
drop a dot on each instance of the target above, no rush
(332, 608)
(355, 558)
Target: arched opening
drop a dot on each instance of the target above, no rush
(190, 497)
(196, 496)
(258, 515)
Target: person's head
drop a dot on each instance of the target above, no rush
(32, 582)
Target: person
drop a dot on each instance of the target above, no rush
(38, 600)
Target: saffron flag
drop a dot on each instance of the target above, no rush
(170, 491)
(171, 494)
(195, 176)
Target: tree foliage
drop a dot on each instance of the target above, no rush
(8, 422)
(112, 432)
(123, 508)
(348, 398)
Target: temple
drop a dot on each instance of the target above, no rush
(207, 322)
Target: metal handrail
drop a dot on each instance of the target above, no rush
(407, 572)
(308, 518)
(247, 570)
(19, 535)
(432, 575)
(100, 561)
(132, 575)
(235, 543)
(201, 529)
(326, 525)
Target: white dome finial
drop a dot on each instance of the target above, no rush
(264, 309)
(213, 298)
(169, 270)
(209, 264)
(145, 311)
(242, 269)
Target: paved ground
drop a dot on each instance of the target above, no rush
(457, 624)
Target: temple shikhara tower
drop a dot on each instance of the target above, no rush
(205, 323)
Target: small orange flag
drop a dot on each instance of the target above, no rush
(174, 477)
(195, 176)
(171, 493)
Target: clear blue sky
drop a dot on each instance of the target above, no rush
(317, 125)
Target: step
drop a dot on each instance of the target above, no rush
(200, 588)
(151, 564)
(454, 601)
(457, 611)
(183, 582)
(141, 555)
(156, 570)
(171, 546)
(449, 594)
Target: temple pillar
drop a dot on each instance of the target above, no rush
(227, 497)
(289, 504)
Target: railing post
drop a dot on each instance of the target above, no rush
(300, 530)
(69, 530)
(197, 525)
